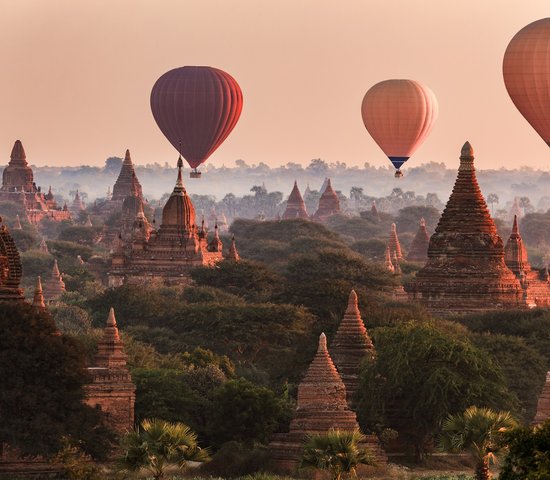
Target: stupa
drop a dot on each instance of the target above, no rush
(465, 271)
(350, 347)
(77, 205)
(112, 389)
(38, 298)
(54, 286)
(536, 289)
(418, 251)
(295, 206)
(321, 406)
(393, 243)
(43, 247)
(329, 204)
(127, 181)
(171, 251)
(233, 253)
(388, 263)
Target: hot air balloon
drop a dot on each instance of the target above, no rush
(196, 108)
(399, 115)
(526, 71)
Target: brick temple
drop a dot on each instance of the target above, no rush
(329, 204)
(295, 206)
(465, 271)
(18, 186)
(321, 406)
(169, 252)
(418, 251)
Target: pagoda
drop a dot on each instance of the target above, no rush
(321, 406)
(329, 204)
(127, 182)
(38, 297)
(393, 243)
(536, 289)
(134, 225)
(10, 268)
(54, 286)
(171, 251)
(418, 251)
(465, 271)
(77, 206)
(112, 389)
(388, 263)
(350, 347)
(18, 186)
(295, 206)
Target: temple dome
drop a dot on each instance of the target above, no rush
(179, 211)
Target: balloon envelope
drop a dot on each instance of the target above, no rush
(399, 115)
(196, 108)
(526, 71)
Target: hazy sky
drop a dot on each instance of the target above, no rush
(76, 76)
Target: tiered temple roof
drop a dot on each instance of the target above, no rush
(10, 268)
(295, 206)
(54, 286)
(171, 251)
(112, 388)
(465, 271)
(124, 185)
(18, 176)
(350, 347)
(321, 406)
(77, 206)
(329, 204)
(418, 251)
(393, 243)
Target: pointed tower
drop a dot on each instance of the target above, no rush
(329, 204)
(112, 388)
(418, 251)
(465, 271)
(393, 243)
(54, 286)
(17, 224)
(388, 264)
(233, 253)
(43, 247)
(321, 406)
(124, 183)
(18, 176)
(38, 299)
(295, 206)
(350, 347)
(77, 206)
(134, 224)
(10, 268)
(515, 253)
(215, 244)
(396, 266)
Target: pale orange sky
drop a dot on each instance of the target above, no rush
(76, 76)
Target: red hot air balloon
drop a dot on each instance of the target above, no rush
(526, 71)
(399, 115)
(196, 108)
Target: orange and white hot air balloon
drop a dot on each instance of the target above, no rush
(526, 71)
(399, 115)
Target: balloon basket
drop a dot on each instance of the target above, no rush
(195, 174)
(398, 174)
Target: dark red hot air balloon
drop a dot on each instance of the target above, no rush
(196, 108)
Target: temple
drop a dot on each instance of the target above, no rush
(112, 389)
(321, 406)
(127, 182)
(465, 271)
(350, 347)
(418, 251)
(18, 186)
(168, 253)
(393, 243)
(536, 289)
(10, 268)
(54, 286)
(295, 206)
(77, 205)
(329, 204)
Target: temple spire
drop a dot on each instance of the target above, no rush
(395, 246)
(179, 188)
(110, 349)
(233, 253)
(388, 265)
(38, 299)
(515, 228)
(18, 155)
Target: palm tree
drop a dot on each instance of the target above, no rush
(477, 431)
(337, 451)
(159, 444)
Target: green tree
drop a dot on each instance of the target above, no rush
(246, 413)
(478, 431)
(338, 452)
(159, 444)
(42, 375)
(528, 456)
(421, 374)
(409, 218)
